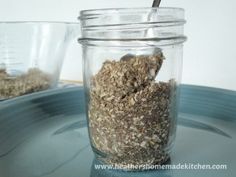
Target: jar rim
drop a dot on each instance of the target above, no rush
(160, 26)
(84, 14)
(127, 43)
(108, 18)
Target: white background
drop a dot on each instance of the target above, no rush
(209, 53)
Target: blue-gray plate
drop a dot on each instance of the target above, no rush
(45, 134)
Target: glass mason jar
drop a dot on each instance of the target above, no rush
(132, 63)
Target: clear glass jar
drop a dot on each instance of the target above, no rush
(31, 55)
(132, 61)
